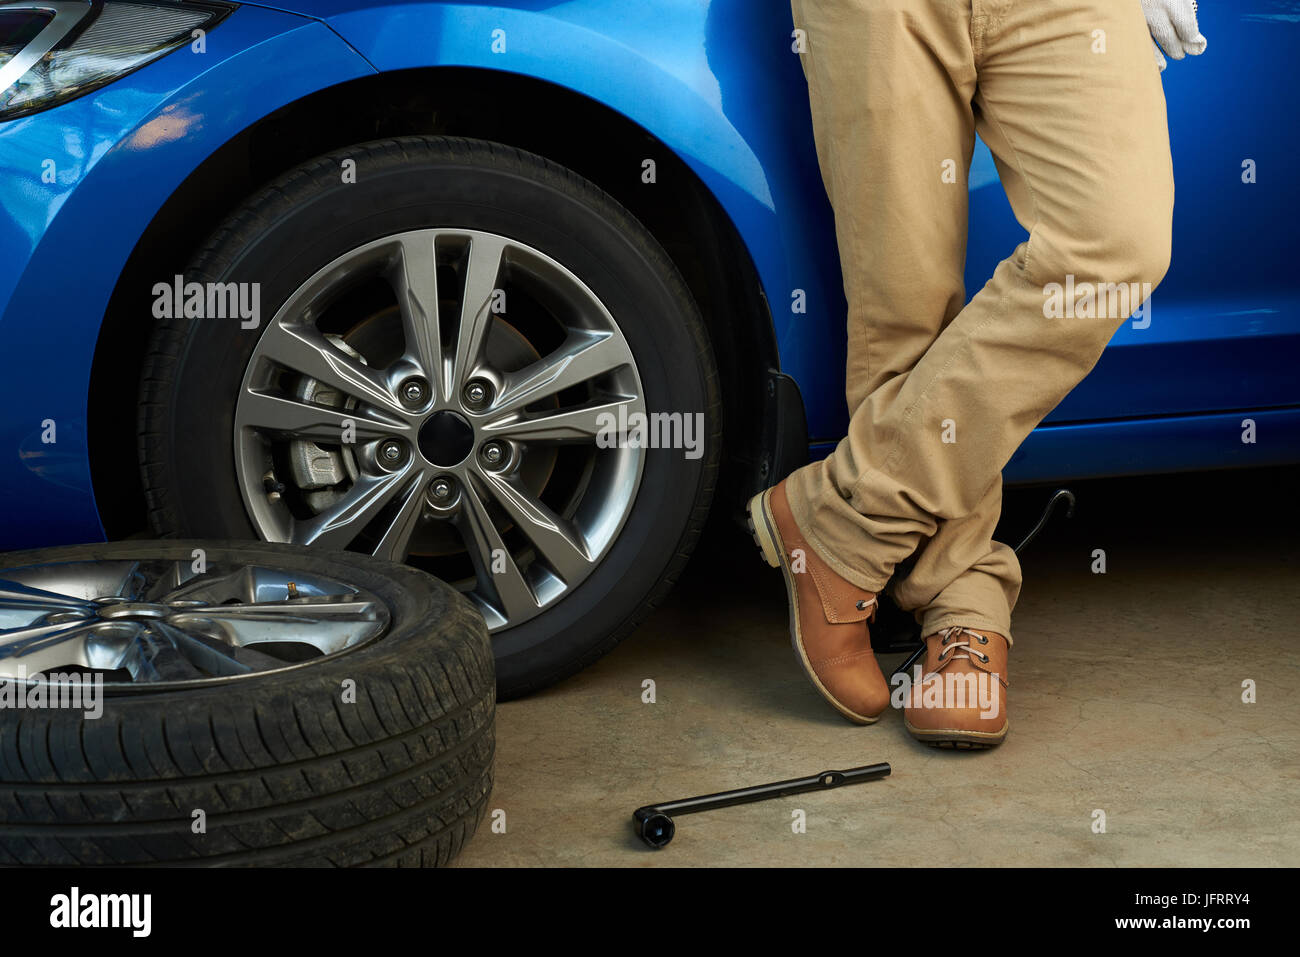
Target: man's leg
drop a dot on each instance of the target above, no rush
(1075, 116)
(1081, 142)
(902, 74)
(961, 576)
(1073, 110)
(891, 84)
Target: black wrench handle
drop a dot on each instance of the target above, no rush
(762, 792)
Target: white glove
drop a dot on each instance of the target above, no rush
(1173, 26)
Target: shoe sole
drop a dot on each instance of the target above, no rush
(956, 739)
(762, 526)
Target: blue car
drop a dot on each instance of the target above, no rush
(509, 290)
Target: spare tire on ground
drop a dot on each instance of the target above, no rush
(222, 704)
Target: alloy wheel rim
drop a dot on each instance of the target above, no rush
(475, 423)
(158, 623)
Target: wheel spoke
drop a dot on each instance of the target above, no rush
(16, 595)
(207, 588)
(122, 579)
(489, 553)
(583, 356)
(38, 647)
(482, 272)
(292, 418)
(415, 282)
(82, 581)
(177, 581)
(339, 524)
(396, 540)
(556, 540)
(327, 624)
(162, 652)
(563, 425)
(303, 349)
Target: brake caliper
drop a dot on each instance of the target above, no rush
(321, 474)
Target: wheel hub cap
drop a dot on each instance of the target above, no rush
(446, 439)
(133, 610)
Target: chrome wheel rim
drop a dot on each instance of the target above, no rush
(159, 622)
(476, 375)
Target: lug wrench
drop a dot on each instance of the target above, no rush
(655, 827)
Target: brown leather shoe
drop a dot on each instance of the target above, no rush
(962, 702)
(828, 615)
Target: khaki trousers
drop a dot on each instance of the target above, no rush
(1067, 95)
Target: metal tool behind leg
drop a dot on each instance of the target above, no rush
(918, 649)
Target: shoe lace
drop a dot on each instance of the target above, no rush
(951, 644)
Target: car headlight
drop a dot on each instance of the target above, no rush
(54, 50)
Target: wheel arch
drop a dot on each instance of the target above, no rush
(566, 127)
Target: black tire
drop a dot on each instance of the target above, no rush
(307, 218)
(285, 772)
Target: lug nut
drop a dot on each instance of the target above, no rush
(390, 452)
(441, 490)
(477, 394)
(493, 454)
(414, 391)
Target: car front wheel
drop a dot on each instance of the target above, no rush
(453, 354)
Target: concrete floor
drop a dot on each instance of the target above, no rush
(1125, 698)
